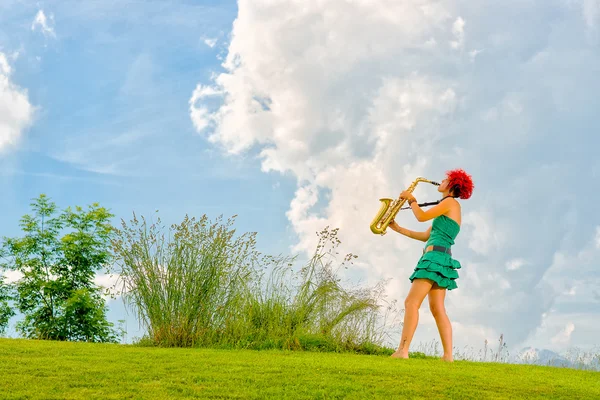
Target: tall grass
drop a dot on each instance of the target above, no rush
(310, 309)
(574, 358)
(184, 285)
(198, 284)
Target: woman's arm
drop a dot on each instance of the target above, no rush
(433, 212)
(422, 216)
(422, 236)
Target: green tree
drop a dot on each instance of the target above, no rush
(6, 311)
(58, 257)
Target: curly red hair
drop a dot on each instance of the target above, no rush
(460, 182)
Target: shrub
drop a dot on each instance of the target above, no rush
(200, 285)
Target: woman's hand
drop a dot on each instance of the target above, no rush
(406, 195)
(394, 226)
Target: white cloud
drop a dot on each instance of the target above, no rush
(210, 42)
(573, 279)
(513, 265)
(4, 66)
(458, 30)
(563, 337)
(356, 116)
(107, 282)
(474, 53)
(16, 113)
(571, 292)
(11, 276)
(430, 43)
(200, 114)
(44, 24)
(16, 54)
(485, 236)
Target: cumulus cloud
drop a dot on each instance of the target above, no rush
(44, 24)
(16, 113)
(358, 99)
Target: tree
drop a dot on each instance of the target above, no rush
(6, 311)
(56, 293)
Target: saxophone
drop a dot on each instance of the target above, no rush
(389, 209)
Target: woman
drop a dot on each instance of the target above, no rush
(436, 270)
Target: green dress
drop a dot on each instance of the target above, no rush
(435, 265)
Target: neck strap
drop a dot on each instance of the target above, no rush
(433, 203)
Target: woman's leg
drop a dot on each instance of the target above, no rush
(436, 305)
(418, 291)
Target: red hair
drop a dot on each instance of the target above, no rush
(460, 182)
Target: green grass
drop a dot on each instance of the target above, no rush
(65, 370)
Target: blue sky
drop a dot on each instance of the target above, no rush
(297, 115)
(110, 85)
(111, 88)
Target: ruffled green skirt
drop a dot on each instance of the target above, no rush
(439, 267)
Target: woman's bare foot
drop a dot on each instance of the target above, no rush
(447, 359)
(400, 354)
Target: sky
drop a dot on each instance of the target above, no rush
(300, 114)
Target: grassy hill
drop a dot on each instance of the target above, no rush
(63, 370)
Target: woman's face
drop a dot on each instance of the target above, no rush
(443, 185)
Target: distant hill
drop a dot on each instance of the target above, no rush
(535, 356)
